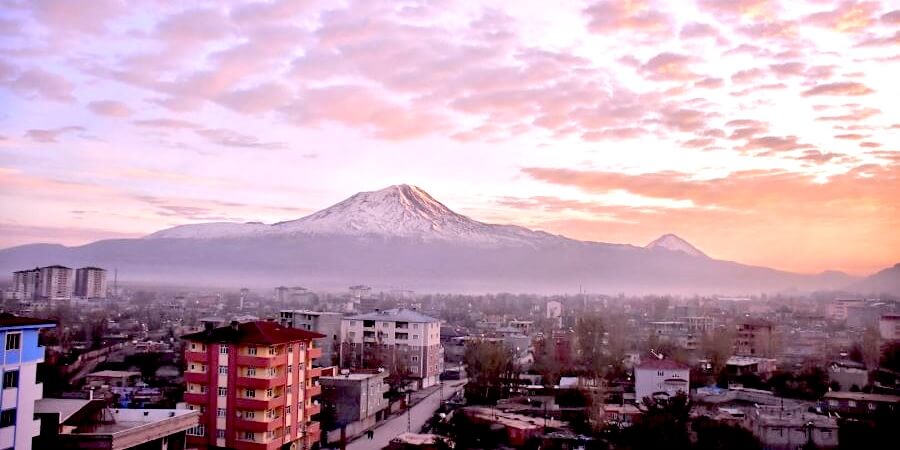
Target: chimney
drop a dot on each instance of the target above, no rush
(234, 325)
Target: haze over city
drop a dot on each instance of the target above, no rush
(761, 132)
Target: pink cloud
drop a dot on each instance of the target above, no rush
(739, 8)
(50, 135)
(841, 88)
(259, 99)
(109, 108)
(669, 67)
(38, 83)
(612, 16)
(848, 16)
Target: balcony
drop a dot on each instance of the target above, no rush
(257, 404)
(259, 383)
(256, 425)
(314, 353)
(200, 357)
(313, 409)
(196, 398)
(196, 377)
(315, 372)
(313, 391)
(261, 361)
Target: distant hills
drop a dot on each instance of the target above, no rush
(401, 237)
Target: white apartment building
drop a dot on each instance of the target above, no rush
(56, 283)
(90, 282)
(396, 340)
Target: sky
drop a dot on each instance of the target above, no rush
(760, 131)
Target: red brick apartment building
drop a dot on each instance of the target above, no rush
(254, 385)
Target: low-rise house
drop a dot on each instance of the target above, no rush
(358, 400)
(661, 377)
(847, 374)
(860, 403)
(112, 378)
(418, 441)
(780, 428)
(744, 365)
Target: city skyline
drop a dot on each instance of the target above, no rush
(761, 132)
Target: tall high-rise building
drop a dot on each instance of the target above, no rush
(26, 284)
(20, 357)
(254, 385)
(56, 282)
(90, 282)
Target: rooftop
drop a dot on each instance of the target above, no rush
(663, 364)
(114, 374)
(395, 315)
(65, 407)
(863, 396)
(9, 320)
(259, 332)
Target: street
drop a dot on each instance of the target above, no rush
(420, 414)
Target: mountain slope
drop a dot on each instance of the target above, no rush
(885, 281)
(402, 237)
(675, 243)
(399, 210)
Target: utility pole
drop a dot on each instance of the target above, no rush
(409, 411)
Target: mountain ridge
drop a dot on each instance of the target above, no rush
(401, 236)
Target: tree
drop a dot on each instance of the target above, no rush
(890, 357)
(589, 332)
(715, 435)
(716, 347)
(491, 370)
(664, 424)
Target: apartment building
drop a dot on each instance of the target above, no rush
(90, 282)
(56, 283)
(21, 355)
(326, 323)
(26, 284)
(359, 401)
(254, 385)
(753, 338)
(396, 340)
(661, 377)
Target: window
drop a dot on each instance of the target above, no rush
(272, 371)
(851, 403)
(661, 373)
(8, 417)
(269, 392)
(223, 349)
(287, 430)
(220, 412)
(223, 369)
(202, 388)
(192, 367)
(249, 414)
(13, 341)
(223, 391)
(249, 436)
(287, 409)
(250, 393)
(199, 430)
(288, 389)
(251, 371)
(272, 350)
(251, 350)
(415, 336)
(193, 347)
(10, 379)
(220, 434)
(290, 368)
(872, 406)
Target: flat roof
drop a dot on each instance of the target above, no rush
(65, 407)
(863, 396)
(395, 315)
(114, 373)
(8, 320)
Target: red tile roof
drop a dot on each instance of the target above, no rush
(259, 332)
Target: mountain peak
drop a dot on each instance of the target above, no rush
(672, 242)
(400, 210)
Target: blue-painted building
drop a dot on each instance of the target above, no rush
(20, 354)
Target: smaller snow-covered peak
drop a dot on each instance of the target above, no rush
(674, 243)
(209, 230)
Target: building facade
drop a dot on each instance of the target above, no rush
(21, 355)
(90, 282)
(254, 385)
(26, 284)
(359, 401)
(753, 338)
(56, 283)
(326, 323)
(661, 377)
(396, 340)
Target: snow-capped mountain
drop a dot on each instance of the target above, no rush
(675, 243)
(396, 211)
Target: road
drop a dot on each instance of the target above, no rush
(420, 414)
